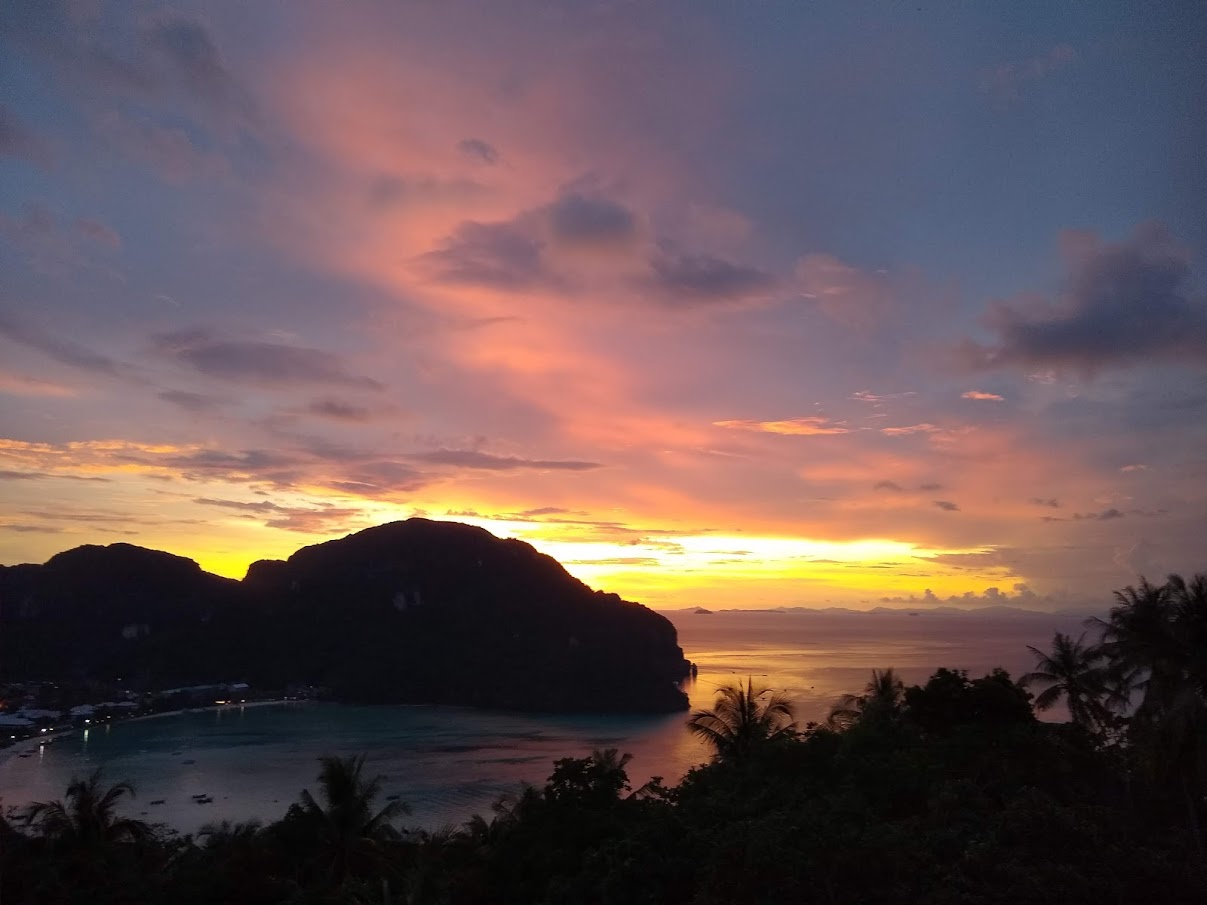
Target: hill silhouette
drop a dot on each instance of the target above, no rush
(408, 612)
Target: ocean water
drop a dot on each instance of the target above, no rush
(448, 763)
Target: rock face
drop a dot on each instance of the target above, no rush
(119, 611)
(408, 612)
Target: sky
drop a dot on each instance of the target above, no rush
(721, 304)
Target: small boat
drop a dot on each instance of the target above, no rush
(202, 795)
(206, 800)
(157, 801)
(187, 762)
(391, 798)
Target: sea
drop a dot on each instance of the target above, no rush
(448, 763)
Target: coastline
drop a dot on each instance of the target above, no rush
(35, 741)
(212, 707)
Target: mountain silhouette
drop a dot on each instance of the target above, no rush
(408, 612)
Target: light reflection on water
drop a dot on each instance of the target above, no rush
(448, 763)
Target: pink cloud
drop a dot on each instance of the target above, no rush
(979, 395)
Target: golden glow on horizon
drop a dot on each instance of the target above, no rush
(661, 562)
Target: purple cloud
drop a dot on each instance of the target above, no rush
(256, 361)
(581, 220)
(692, 279)
(1124, 303)
(496, 255)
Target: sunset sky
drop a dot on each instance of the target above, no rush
(732, 304)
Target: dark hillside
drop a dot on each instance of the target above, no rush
(415, 611)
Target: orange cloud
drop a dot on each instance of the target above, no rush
(796, 427)
(924, 428)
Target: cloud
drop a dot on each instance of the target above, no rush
(1125, 304)
(253, 464)
(478, 150)
(703, 278)
(64, 351)
(20, 385)
(1006, 82)
(149, 60)
(98, 232)
(469, 458)
(192, 402)
(258, 506)
(307, 520)
(576, 219)
(256, 361)
(796, 427)
(1130, 468)
(1023, 596)
(843, 293)
(878, 398)
(188, 54)
(18, 141)
(391, 191)
(169, 150)
(888, 485)
(500, 255)
(986, 397)
(1051, 503)
(924, 428)
(947, 505)
(1105, 515)
(379, 478)
(40, 475)
(340, 410)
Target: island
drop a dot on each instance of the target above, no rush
(416, 611)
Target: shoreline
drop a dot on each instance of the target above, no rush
(212, 707)
(37, 741)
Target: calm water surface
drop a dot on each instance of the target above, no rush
(449, 763)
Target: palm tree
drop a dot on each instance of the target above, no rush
(741, 721)
(1073, 670)
(880, 702)
(347, 825)
(609, 766)
(1139, 644)
(88, 819)
(1189, 605)
(1154, 640)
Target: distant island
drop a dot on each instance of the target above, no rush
(408, 612)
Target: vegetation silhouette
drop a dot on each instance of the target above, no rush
(742, 720)
(881, 700)
(1073, 671)
(88, 820)
(1155, 642)
(346, 831)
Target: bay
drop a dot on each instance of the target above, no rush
(448, 763)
